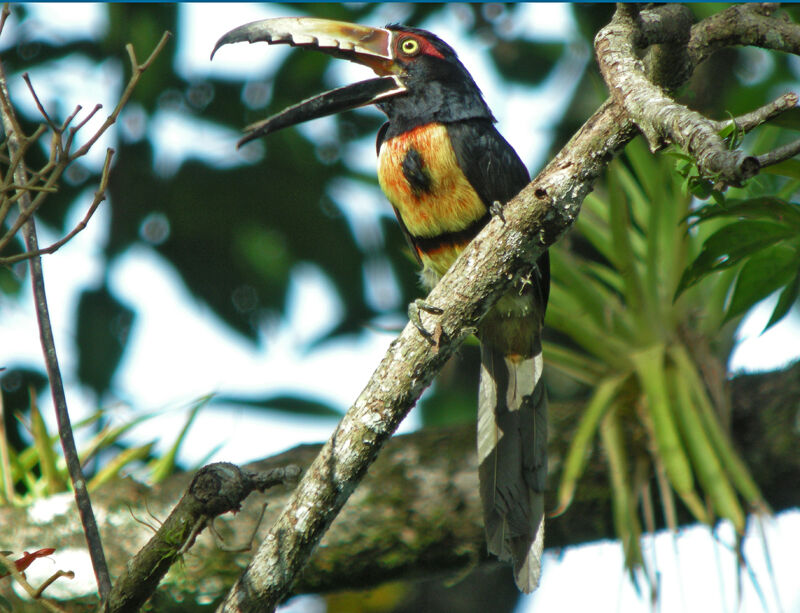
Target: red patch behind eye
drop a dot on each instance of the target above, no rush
(425, 46)
(429, 49)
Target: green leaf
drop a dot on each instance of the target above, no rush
(164, 466)
(705, 460)
(594, 297)
(729, 245)
(577, 365)
(109, 435)
(788, 119)
(787, 298)
(113, 469)
(649, 365)
(621, 235)
(604, 398)
(728, 129)
(787, 168)
(734, 465)
(44, 447)
(285, 404)
(623, 502)
(525, 61)
(766, 207)
(700, 188)
(764, 273)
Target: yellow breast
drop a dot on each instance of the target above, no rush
(449, 204)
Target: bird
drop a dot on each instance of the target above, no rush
(445, 170)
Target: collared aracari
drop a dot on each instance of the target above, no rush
(444, 168)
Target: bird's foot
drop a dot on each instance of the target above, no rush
(496, 209)
(414, 317)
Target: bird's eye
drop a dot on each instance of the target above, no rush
(409, 46)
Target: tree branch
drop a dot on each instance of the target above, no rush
(60, 158)
(741, 25)
(417, 511)
(82, 500)
(503, 251)
(780, 154)
(750, 121)
(661, 119)
(215, 489)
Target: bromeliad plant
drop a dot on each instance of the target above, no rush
(655, 361)
(37, 471)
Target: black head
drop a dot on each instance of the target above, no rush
(438, 86)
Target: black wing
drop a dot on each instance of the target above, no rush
(495, 172)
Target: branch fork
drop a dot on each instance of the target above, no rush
(661, 120)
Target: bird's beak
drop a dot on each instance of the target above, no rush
(368, 46)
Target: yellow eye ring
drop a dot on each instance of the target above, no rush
(409, 46)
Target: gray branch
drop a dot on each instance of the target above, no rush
(750, 121)
(215, 489)
(659, 117)
(505, 249)
(755, 24)
(417, 513)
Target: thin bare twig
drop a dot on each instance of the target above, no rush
(82, 499)
(68, 120)
(99, 196)
(57, 575)
(753, 119)
(74, 130)
(35, 593)
(60, 158)
(13, 187)
(780, 154)
(26, 77)
(138, 69)
(6, 203)
(61, 155)
(88, 118)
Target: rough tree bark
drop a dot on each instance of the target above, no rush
(502, 252)
(415, 515)
(427, 535)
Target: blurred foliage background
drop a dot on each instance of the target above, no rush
(236, 227)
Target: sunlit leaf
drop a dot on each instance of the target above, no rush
(734, 465)
(164, 466)
(114, 468)
(650, 369)
(763, 273)
(767, 207)
(46, 454)
(704, 457)
(626, 521)
(575, 463)
(730, 244)
(785, 302)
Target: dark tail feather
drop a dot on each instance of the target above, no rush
(512, 456)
